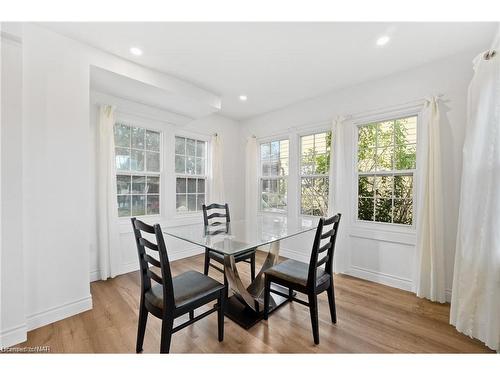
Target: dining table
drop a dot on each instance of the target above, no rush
(245, 306)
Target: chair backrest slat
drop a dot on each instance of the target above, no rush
(145, 259)
(332, 220)
(216, 206)
(144, 242)
(209, 216)
(144, 227)
(216, 232)
(154, 276)
(330, 233)
(215, 214)
(323, 232)
(322, 261)
(324, 247)
(152, 260)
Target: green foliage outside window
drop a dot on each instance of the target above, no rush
(386, 161)
(315, 167)
(274, 171)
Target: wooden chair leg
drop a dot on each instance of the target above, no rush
(207, 262)
(220, 314)
(252, 267)
(141, 329)
(166, 334)
(313, 309)
(267, 295)
(331, 302)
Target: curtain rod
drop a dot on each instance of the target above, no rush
(355, 115)
(394, 107)
(488, 55)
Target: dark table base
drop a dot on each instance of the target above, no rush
(245, 316)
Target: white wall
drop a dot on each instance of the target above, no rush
(55, 193)
(374, 251)
(12, 322)
(203, 128)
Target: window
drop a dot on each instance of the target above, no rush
(386, 167)
(273, 175)
(190, 169)
(314, 169)
(137, 158)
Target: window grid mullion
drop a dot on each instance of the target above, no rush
(132, 173)
(312, 176)
(390, 173)
(186, 176)
(270, 177)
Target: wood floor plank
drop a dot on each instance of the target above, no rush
(372, 318)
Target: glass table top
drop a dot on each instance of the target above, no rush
(241, 235)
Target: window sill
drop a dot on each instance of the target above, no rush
(384, 232)
(273, 213)
(178, 220)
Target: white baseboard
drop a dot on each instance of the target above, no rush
(58, 313)
(94, 275)
(381, 278)
(364, 273)
(13, 336)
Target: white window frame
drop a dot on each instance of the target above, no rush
(206, 176)
(139, 123)
(414, 111)
(260, 176)
(319, 130)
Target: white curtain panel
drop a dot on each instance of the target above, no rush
(430, 275)
(338, 201)
(217, 186)
(475, 302)
(107, 211)
(336, 167)
(251, 190)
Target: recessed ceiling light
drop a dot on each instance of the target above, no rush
(135, 51)
(383, 40)
(243, 98)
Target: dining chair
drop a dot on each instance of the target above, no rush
(170, 297)
(208, 220)
(310, 279)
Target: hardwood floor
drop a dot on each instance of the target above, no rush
(372, 318)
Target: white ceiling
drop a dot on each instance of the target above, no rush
(277, 64)
(180, 106)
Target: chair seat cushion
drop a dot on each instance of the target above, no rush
(296, 272)
(188, 287)
(238, 258)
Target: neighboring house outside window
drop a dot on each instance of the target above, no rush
(137, 158)
(386, 164)
(191, 177)
(273, 175)
(313, 173)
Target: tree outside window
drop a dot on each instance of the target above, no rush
(273, 175)
(137, 159)
(314, 170)
(386, 167)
